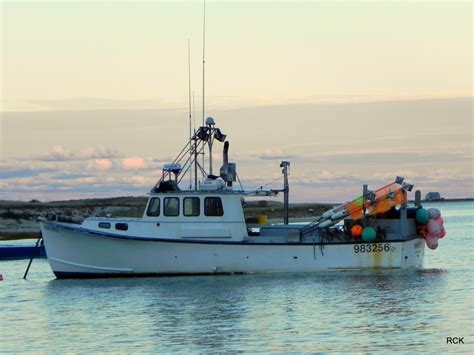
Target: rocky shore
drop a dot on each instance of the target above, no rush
(18, 220)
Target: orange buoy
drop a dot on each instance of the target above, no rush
(356, 230)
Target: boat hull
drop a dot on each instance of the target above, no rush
(73, 253)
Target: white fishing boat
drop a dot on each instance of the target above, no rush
(202, 229)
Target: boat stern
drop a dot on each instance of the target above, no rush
(413, 253)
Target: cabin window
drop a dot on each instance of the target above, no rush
(104, 225)
(191, 206)
(121, 226)
(153, 207)
(171, 206)
(213, 206)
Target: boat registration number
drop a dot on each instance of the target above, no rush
(371, 248)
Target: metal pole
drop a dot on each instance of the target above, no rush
(32, 256)
(365, 189)
(286, 191)
(210, 154)
(418, 198)
(195, 163)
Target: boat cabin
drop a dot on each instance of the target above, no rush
(193, 214)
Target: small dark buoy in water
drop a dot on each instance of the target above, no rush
(1, 277)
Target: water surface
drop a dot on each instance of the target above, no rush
(392, 310)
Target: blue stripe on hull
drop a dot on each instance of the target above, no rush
(90, 275)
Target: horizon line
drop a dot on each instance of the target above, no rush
(221, 102)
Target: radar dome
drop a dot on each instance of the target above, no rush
(210, 121)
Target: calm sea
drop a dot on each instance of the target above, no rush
(339, 311)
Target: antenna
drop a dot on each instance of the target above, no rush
(195, 146)
(189, 106)
(203, 67)
(194, 114)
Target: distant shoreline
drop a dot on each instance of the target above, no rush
(4, 203)
(466, 199)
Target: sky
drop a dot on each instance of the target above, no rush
(94, 94)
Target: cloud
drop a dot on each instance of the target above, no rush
(96, 103)
(98, 153)
(273, 154)
(70, 179)
(325, 175)
(100, 164)
(138, 180)
(409, 175)
(24, 180)
(60, 153)
(139, 163)
(8, 172)
(134, 163)
(338, 149)
(68, 176)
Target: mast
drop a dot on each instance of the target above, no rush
(203, 68)
(189, 107)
